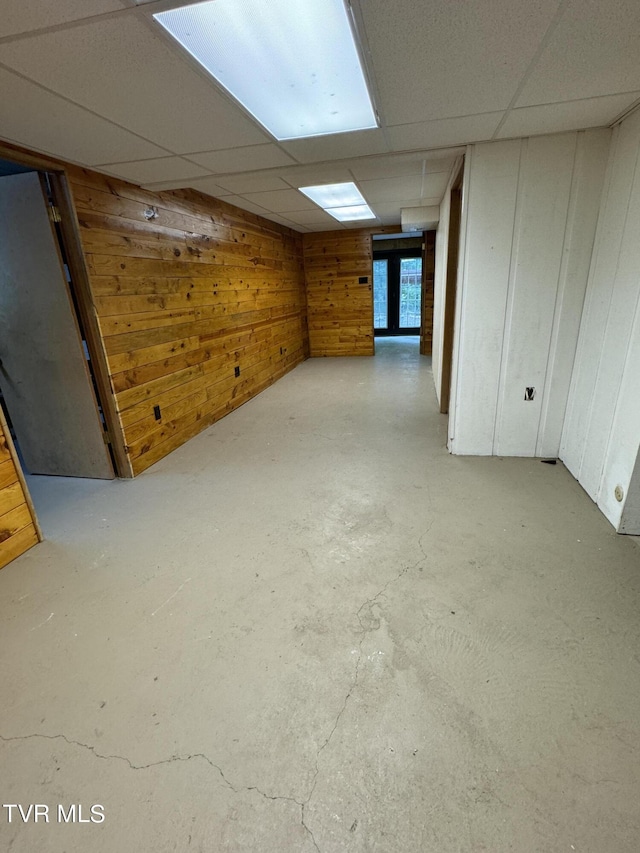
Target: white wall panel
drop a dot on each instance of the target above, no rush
(491, 183)
(586, 190)
(602, 428)
(543, 200)
(531, 217)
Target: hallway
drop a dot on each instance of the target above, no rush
(312, 629)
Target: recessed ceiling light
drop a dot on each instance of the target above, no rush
(347, 214)
(293, 65)
(342, 201)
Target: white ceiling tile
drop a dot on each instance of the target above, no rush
(448, 131)
(435, 59)
(281, 201)
(163, 170)
(19, 16)
(309, 176)
(399, 165)
(311, 217)
(390, 219)
(390, 212)
(56, 127)
(571, 115)
(592, 51)
(396, 189)
(129, 74)
(185, 184)
(362, 223)
(391, 189)
(209, 186)
(241, 159)
(434, 185)
(337, 226)
(246, 204)
(282, 220)
(259, 182)
(338, 146)
(304, 229)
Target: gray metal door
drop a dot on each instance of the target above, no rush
(44, 375)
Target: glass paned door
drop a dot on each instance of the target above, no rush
(397, 291)
(380, 294)
(410, 292)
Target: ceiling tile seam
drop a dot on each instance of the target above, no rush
(32, 149)
(214, 173)
(72, 25)
(444, 118)
(85, 109)
(577, 100)
(307, 167)
(145, 160)
(534, 61)
(626, 112)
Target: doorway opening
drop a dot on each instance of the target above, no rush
(397, 286)
(49, 388)
(450, 294)
(403, 281)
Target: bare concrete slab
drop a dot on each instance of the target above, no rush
(311, 629)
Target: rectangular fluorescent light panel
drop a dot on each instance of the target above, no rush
(342, 201)
(293, 65)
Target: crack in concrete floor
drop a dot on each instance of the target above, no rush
(320, 719)
(303, 804)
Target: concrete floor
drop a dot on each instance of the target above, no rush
(311, 629)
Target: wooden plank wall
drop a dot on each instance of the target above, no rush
(340, 310)
(17, 529)
(426, 304)
(183, 301)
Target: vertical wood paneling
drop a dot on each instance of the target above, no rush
(439, 287)
(340, 309)
(17, 529)
(184, 301)
(426, 302)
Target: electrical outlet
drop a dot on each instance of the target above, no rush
(156, 413)
(529, 393)
(237, 371)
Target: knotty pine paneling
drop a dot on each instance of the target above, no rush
(17, 530)
(426, 302)
(340, 309)
(184, 299)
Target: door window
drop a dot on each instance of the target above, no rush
(397, 292)
(380, 294)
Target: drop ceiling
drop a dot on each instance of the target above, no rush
(98, 83)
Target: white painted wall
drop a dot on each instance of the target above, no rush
(530, 208)
(602, 429)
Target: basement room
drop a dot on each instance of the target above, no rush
(320, 426)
